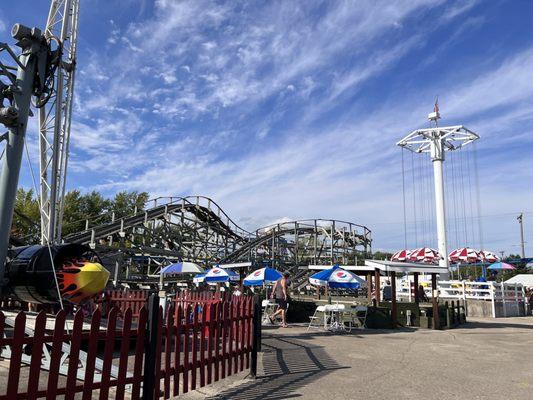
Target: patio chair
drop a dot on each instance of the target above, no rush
(318, 316)
(359, 314)
(269, 308)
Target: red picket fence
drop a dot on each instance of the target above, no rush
(136, 299)
(193, 345)
(123, 300)
(206, 295)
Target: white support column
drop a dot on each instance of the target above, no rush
(437, 155)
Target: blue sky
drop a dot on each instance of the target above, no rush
(291, 109)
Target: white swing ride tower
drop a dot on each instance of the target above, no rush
(437, 141)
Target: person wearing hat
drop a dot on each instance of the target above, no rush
(279, 294)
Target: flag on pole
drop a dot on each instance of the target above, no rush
(436, 108)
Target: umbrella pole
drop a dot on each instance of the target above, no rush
(160, 279)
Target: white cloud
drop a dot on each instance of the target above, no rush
(511, 83)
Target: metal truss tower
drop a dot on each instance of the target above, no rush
(436, 141)
(55, 118)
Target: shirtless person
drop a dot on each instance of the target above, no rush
(279, 293)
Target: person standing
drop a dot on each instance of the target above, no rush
(280, 295)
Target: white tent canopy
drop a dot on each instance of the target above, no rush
(525, 279)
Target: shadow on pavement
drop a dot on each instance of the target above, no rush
(287, 366)
(528, 324)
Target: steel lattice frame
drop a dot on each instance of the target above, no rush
(452, 137)
(55, 119)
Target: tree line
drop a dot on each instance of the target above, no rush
(78, 208)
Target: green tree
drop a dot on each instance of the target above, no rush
(380, 255)
(79, 208)
(124, 203)
(27, 217)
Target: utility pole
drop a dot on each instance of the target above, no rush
(520, 219)
(32, 72)
(436, 141)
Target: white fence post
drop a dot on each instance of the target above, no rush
(502, 289)
(492, 300)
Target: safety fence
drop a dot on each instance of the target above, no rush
(505, 299)
(161, 353)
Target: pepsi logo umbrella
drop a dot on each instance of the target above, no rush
(465, 255)
(489, 256)
(262, 276)
(337, 278)
(424, 255)
(501, 265)
(217, 274)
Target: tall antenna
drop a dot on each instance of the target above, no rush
(436, 141)
(55, 118)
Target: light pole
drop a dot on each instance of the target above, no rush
(436, 141)
(520, 219)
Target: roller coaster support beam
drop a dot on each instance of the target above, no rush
(30, 73)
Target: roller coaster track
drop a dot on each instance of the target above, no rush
(196, 229)
(204, 214)
(307, 241)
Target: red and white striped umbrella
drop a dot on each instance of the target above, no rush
(489, 256)
(412, 254)
(425, 255)
(465, 255)
(402, 255)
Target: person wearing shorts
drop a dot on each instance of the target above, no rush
(279, 294)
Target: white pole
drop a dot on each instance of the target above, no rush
(437, 154)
